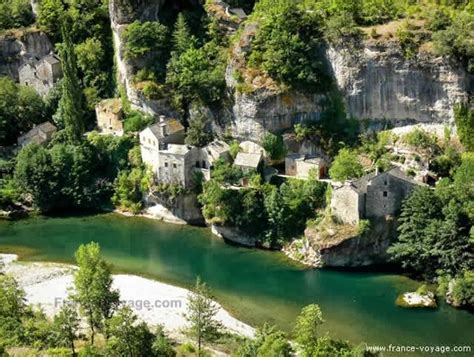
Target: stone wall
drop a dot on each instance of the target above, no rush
(17, 50)
(385, 194)
(347, 205)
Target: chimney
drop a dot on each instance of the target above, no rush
(163, 129)
(162, 118)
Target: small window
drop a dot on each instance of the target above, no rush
(174, 166)
(166, 164)
(203, 164)
(385, 193)
(197, 164)
(385, 182)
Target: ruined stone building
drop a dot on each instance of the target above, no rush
(248, 161)
(109, 115)
(300, 165)
(372, 196)
(42, 74)
(40, 134)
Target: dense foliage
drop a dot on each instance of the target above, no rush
(464, 118)
(271, 214)
(346, 166)
(15, 13)
(435, 232)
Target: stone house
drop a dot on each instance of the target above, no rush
(109, 115)
(372, 196)
(178, 163)
(248, 161)
(40, 134)
(42, 74)
(157, 137)
(302, 166)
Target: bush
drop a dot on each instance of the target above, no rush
(420, 139)
(464, 118)
(15, 13)
(137, 121)
(346, 166)
(144, 38)
(274, 146)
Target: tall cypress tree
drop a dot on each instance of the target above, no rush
(71, 106)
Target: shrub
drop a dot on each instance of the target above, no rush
(346, 165)
(144, 38)
(419, 138)
(274, 146)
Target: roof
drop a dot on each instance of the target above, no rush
(310, 159)
(176, 149)
(239, 12)
(113, 104)
(360, 185)
(45, 127)
(248, 160)
(216, 148)
(51, 59)
(173, 126)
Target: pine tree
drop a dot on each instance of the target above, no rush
(71, 106)
(182, 38)
(201, 314)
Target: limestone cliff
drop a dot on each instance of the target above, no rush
(343, 246)
(122, 13)
(379, 83)
(18, 48)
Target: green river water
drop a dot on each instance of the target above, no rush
(255, 286)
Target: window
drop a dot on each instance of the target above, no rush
(385, 193)
(203, 164)
(197, 164)
(174, 165)
(385, 182)
(166, 164)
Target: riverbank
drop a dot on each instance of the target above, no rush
(46, 285)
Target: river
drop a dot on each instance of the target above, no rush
(255, 286)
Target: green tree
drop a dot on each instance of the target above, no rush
(306, 328)
(93, 288)
(12, 310)
(162, 346)
(199, 132)
(201, 315)
(15, 13)
(128, 336)
(71, 106)
(464, 118)
(50, 16)
(144, 38)
(182, 38)
(346, 166)
(130, 187)
(66, 326)
(274, 146)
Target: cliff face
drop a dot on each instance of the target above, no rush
(379, 83)
(122, 13)
(16, 50)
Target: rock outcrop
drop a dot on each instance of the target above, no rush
(122, 13)
(17, 49)
(184, 208)
(234, 235)
(379, 83)
(344, 247)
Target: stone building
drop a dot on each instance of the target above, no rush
(157, 137)
(42, 74)
(303, 165)
(109, 115)
(248, 161)
(40, 134)
(374, 195)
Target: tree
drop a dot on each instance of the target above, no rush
(274, 146)
(306, 328)
(162, 346)
(144, 38)
(15, 13)
(12, 310)
(182, 38)
(130, 187)
(464, 118)
(127, 336)
(93, 287)
(346, 166)
(201, 314)
(65, 326)
(71, 105)
(199, 132)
